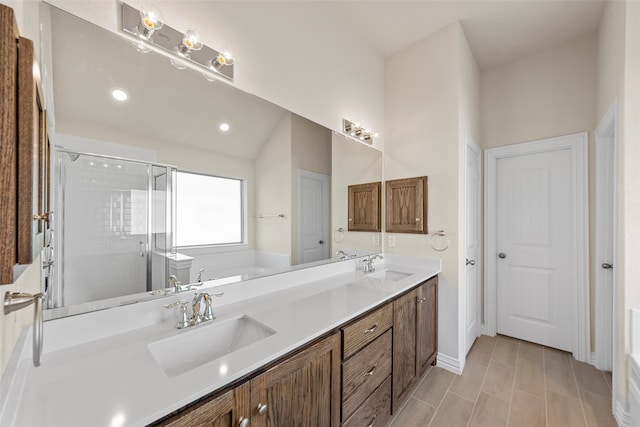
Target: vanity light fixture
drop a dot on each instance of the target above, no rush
(223, 59)
(151, 20)
(119, 94)
(354, 130)
(224, 127)
(191, 41)
(148, 32)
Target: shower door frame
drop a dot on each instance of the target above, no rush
(169, 220)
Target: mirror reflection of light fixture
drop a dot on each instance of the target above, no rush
(191, 41)
(151, 20)
(184, 49)
(223, 59)
(355, 131)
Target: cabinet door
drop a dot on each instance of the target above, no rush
(364, 207)
(404, 347)
(427, 324)
(406, 207)
(304, 390)
(226, 410)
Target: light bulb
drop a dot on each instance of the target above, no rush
(151, 20)
(224, 58)
(224, 127)
(191, 41)
(119, 94)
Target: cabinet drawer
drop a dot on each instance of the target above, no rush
(364, 372)
(365, 330)
(376, 410)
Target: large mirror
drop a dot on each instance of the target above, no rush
(152, 187)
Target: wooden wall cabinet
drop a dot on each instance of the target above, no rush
(364, 207)
(415, 338)
(406, 206)
(24, 151)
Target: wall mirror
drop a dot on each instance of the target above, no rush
(267, 195)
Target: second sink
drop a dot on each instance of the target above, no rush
(203, 344)
(390, 275)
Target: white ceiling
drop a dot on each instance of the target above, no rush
(497, 31)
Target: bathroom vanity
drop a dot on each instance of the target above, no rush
(327, 345)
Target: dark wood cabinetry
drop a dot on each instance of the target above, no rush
(226, 410)
(406, 207)
(427, 325)
(364, 207)
(415, 341)
(304, 390)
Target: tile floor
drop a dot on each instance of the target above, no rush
(508, 382)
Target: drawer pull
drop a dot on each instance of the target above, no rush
(371, 371)
(371, 329)
(421, 300)
(243, 422)
(262, 408)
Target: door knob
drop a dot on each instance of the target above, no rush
(470, 262)
(243, 422)
(607, 266)
(262, 408)
(502, 255)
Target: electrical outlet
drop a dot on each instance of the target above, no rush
(376, 239)
(391, 241)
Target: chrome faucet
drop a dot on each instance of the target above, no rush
(175, 283)
(200, 275)
(197, 316)
(345, 255)
(367, 264)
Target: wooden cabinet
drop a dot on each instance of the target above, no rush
(364, 207)
(427, 325)
(366, 369)
(406, 207)
(24, 151)
(404, 346)
(304, 390)
(414, 338)
(226, 410)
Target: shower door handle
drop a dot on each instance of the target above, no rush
(143, 248)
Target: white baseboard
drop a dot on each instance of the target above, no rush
(622, 416)
(450, 364)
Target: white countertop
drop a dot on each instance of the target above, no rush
(98, 371)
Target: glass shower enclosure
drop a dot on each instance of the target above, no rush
(114, 228)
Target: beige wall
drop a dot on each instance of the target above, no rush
(273, 190)
(310, 151)
(422, 112)
(354, 163)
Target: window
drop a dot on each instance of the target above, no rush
(209, 210)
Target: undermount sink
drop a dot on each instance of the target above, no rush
(202, 344)
(389, 275)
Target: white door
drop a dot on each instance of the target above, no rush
(534, 245)
(472, 243)
(313, 216)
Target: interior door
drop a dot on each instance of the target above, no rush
(313, 214)
(535, 230)
(472, 243)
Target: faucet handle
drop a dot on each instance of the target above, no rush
(183, 320)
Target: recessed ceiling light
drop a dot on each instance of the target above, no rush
(224, 127)
(119, 94)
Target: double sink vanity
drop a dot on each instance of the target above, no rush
(326, 345)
